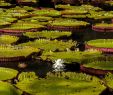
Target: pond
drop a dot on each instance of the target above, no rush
(56, 47)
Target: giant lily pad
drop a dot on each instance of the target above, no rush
(7, 73)
(69, 84)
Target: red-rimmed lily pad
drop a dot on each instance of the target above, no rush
(104, 45)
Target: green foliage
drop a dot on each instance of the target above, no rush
(8, 89)
(32, 1)
(50, 45)
(37, 19)
(47, 12)
(7, 39)
(68, 22)
(7, 73)
(74, 11)
(103, 65)
(74, 16)
(3, 3)
(71, 56)
(76, 84)
(109, 80)
(14, 51)
(82, 7)
(110, 3)
(105, 43)
(24, 26)
(47, 34)
(100, 15)
(104, 25)
(27, 76)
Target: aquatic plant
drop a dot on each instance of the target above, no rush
(26, 1)
(58, 65)
(50, 45)
(8, 89)
(101, 43)
(104, 25)
(47, 34)
(82, 7)
(4, 4)
(7, 39)
(68, 23)
(71, 56)
(24, 26)
(47, 12)
(74, 11)
(109, 3)
(102, 65)
(108, 80)
(62, 83)
(7, 73)
(74, 16)
(37, 19)
(27, 76)
(16, 51)
(104, 45)
(100, 15)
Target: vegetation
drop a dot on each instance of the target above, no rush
(108, 80)
(50, 45)
(47, 12)
(110, 3)
(100, 15)
(103, 65)
(105, 43)
(25, 1)
(7, 73)
(4, 4)
(74, 11)
(8, 89)
(24, 26)
(67, 84)
(104, 25)
(15, 51)
(74, 16)
(48, 34)
(7, 39)
(71, 56)
(43, 20)
(82, 7)
(67, 22)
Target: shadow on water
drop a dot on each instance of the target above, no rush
(106, 91)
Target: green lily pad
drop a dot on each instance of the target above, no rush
(66, 84)
(8, 89)
(7, 73)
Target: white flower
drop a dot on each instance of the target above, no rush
(58, 66)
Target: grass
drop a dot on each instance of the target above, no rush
(105, 43)
(77, 84)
